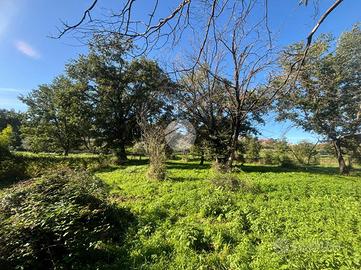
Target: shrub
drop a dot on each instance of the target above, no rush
(10, 168)
(220, 166)
(154, 140)
(5, 139)
(231, 182)
(62, 221)
(252, 149)
(268, 158)
(226, 181)
(306, 153)
(194, 238)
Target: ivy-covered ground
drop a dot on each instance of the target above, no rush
(270, 218)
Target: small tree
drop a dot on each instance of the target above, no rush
(5, 140)
(281, 153)
(305, 152)
(139, 149)
(12, 118)
(252, 149)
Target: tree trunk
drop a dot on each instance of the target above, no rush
(350, 162)
(234, 141)
(121, 154)
(341, 162)
(66, 151)
(232, 149)
(202, 158)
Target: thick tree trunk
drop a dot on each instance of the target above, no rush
(232, 149)
(234, 141)
(121, 155)
(341, 162)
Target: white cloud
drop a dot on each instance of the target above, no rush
(26, 49)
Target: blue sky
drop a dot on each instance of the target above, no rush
(28, 57)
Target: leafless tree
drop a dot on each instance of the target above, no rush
(230, 86)
(153, 138)
(157, 27)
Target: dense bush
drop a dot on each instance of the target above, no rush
(9, 167)
(62, 221)
(252, 149)
(306, 153)
(5, 140)
(17, 166)
(36, 165)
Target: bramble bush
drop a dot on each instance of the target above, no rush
(62, 221)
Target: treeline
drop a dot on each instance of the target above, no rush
(107, 100)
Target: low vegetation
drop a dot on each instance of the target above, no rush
(263, 217)
(63, 220)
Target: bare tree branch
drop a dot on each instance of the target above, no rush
(68, 28)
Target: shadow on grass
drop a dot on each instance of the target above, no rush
(107, 169)
(187, 166)
(135, 162)
(8, 182)
(307, 169)
(181, 178)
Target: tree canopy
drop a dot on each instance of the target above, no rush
(325, 95)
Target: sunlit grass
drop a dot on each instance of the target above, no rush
(296, 219)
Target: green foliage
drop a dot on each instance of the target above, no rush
(37, 165)
(25, 165)
(57, 117)
(281, 153)
(278, 152)
(327, 95)
(292, 220)
(13, 119)
(252, 149)
(306, 153)
(119, 90)
(9, 167)
(62, 221)
(231, 182)
(5, 140)
(268, 158)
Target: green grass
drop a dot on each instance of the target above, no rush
(294, 219)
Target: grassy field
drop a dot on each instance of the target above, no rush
(277, 219)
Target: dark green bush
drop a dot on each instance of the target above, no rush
(62, 221)
(36, 165)
(10, 168)
(19, 166)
